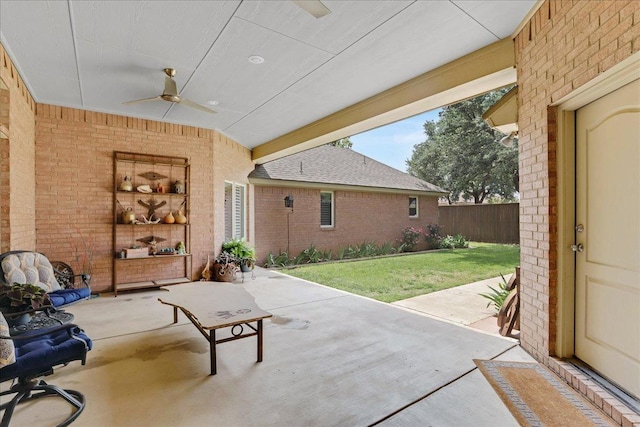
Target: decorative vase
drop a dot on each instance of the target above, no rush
(169, 219)
(224, 272)
(180, 218)
(126, 184)
(246, 266)
(128, 216)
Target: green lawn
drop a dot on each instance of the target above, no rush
(395, 278)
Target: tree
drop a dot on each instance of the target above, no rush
(342, 142)
(462, 153)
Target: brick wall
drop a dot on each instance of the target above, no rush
(359, 217)
(17, 162)
(563, 46)
(74, 181)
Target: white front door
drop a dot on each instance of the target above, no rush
(607, 323)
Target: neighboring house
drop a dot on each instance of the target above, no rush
(340, 197)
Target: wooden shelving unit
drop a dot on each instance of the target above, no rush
(159, 269)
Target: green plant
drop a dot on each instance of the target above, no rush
(280, 260)
(459, 241)
(21, 297)
(497, 296)
(240, 250)
(433, 236)
(410, 237)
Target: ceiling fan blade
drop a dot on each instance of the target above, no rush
(170, 87)
(314, 7)
(192, 104)
(137, 101)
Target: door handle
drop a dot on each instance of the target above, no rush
(577, 248)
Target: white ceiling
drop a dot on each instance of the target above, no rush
(95, 55)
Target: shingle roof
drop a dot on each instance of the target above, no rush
(340, 166)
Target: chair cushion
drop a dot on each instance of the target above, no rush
(67, 296)
(7, 349)
(38, 355)
(30, 267)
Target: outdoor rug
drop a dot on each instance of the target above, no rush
(538, 397)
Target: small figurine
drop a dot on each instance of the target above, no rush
(182, 250)
(178, 187)
(152, 241)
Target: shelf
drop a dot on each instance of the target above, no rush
(152, 283)
(138, 193)
(142, 169)
(153, 257)
(151, 225)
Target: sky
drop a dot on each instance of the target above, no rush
(393, 144)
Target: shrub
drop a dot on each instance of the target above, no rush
(410, 237)
(433, 236)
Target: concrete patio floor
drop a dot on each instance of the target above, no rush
(330, 359)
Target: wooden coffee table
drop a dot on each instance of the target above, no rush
(215, 305)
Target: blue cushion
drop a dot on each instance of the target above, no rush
(67, 296)
(38, 355)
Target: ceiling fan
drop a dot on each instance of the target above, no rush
(170, 94)
(314, 7)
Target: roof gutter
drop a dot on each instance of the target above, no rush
(262, 182)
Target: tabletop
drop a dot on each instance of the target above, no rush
(214, 304)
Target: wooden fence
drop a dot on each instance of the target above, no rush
(482, 223)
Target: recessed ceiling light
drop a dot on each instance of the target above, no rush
(255, 59)
(212, 102)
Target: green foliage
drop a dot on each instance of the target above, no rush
(433, 236)
(280, 260)
(313, 255)
(497, 296)
(21, 297)
(462, 153)
(451, 242)
(410, 237)
(240, 250)
(342, 142)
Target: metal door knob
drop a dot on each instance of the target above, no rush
(577, 248)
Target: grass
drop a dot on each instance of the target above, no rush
(395, 278)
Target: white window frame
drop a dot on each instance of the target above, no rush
(333, 209)
(238, 216)
(417, 207)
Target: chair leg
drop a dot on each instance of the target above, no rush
(35, 389)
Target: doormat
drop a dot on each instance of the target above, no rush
(538, 397)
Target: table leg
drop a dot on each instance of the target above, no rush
(175, 314)
(212, 351)
(260, 340)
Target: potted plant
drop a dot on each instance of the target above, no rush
(242, 252)
(224, 268)
(17, 298)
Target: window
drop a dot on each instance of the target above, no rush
(326, 209)
(413, 207)
(234, 211)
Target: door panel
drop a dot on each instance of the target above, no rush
(608, 206)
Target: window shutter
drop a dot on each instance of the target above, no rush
(239, 212)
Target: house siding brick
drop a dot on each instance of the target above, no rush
(359, 217)
(583, 40)
(17, 162)
(74, 181)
